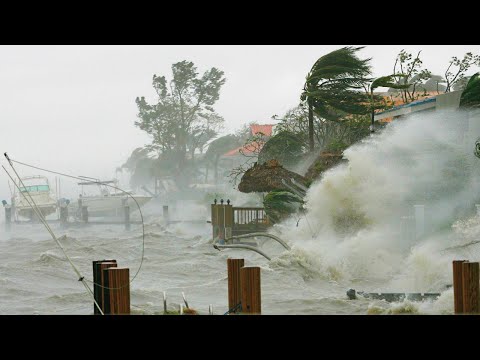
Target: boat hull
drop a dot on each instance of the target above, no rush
(43, 201)
(29, 213)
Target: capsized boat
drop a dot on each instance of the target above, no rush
(109, 201)
(38, 188)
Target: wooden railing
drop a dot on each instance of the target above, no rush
(240, 220)
(250, 216)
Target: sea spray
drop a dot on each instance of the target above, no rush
(351, 230)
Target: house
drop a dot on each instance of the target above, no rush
(239, 155)
(448, 101)
(397, 101)
(253, 148)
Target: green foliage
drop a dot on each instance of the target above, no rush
(279, 204)
(331, 87)
(217, 148)
(295, 121)
(388, 81)
(471, 95)
(411, 72)
(462, 66)
(137, 155)
(220, 146)
(183, 117)
(336, 146)
(285, 146)
(350, 130)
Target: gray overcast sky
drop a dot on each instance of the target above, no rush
(72, 108)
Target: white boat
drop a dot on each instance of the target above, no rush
(108, 202)
(38, 189)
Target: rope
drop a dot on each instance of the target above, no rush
(111, 186)
(44, 222)
(234, 309)
(98, 182)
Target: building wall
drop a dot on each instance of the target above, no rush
(449, 100)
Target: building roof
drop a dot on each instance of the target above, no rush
(406, 109)
(266, 129)
(400, 108)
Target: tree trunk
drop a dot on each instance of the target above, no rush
(215, 166)
(310, 126)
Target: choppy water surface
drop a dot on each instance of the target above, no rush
(351, 237)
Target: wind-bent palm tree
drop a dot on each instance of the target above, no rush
(384, 81)
(331, 87)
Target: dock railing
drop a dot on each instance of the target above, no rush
(228, 221)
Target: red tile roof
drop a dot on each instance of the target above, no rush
(264, 129)
(248, 149)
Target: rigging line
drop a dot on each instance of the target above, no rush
(42, 219)
(98, 182)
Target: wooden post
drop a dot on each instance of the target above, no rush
(126, 210)
(228, 213)
(165, 213)
(98, 281)
(8, 217)
(251, 290)
(85, 213)
(214, 218)
(116, 293)
(470, 287)
(234, 289)
(458, 286)
(220, 215)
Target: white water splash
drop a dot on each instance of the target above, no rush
(352, 231)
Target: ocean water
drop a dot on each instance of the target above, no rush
(351, 236)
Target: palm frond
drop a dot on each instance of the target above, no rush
(331, 84)
(389, 81)
(471, 95)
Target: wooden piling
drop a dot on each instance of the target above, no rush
(471, 289)
(85, 214)
(234, 289)
(116, 293)
(251, 290)
(165, 213)
(8, 217)
(126, 210)
(98, 267)
(458, 286)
